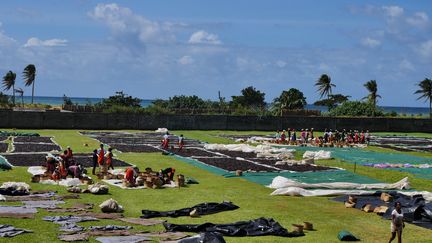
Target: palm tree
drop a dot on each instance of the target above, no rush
(372, 87)
(324, 85)
(9, 82)
(425, 92)
(293, 99)
(21, 92)
(29, 77)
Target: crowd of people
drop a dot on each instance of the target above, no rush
(308, 136)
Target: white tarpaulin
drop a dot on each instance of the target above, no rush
(36, 170)
(321, 154)
(162, 130)
(282, 182)
(248, 148)
(297, 191)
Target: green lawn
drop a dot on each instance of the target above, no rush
(254, 200)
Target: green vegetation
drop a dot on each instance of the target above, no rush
(332, 101)
(293, 99)
(355, 109)
(29, 74)
(254, 200)
(9, 83)
(372, 87)
(425, 92)
(324, 85)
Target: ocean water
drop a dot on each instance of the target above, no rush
(58, 101)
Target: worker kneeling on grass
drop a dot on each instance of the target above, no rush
(167, 173)
(131, 174)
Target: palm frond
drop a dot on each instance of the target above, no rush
(29, 74)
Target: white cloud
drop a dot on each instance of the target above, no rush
(370, 42)
(393, 11)
(281, 63)
(125, 24)
(425, 48)
(419, 20)
(202, 37)
(33, 41)
(4, 39)
(407, 65)
(185, 60)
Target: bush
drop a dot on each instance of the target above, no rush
(4, 101)
(356, 108)
(119, 99)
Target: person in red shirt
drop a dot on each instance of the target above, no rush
(130, 174)
(101, 158)
(108, 161)
(69, 153)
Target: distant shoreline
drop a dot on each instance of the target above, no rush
(58, 101)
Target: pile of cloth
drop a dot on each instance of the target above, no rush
(14, 189)
(316, 155)
(97, 189)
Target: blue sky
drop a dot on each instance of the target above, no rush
(157, 49)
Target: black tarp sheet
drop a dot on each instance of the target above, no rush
(202, 209)
(256, 227)
(415, 209)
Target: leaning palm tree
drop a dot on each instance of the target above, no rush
(372, 87)
(324, 85)
(9, 83)
(29, 77)
(425, 92)
(21, 93)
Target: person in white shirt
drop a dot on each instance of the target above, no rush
(397, 223)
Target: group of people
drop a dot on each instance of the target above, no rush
(132, 173)
(307, 136)
(166, 141)
(102, 159)
(63, 166)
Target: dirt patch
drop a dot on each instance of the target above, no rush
(231, 164)
(33, 139)
(394, 147)
(235, 154)
(26, 159)
(134, 148)
(35, 147)
(86, 160)
(39, 160)
(189, 152)
(3, 147)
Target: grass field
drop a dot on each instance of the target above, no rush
(254, 200)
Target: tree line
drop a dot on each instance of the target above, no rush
(250, 101)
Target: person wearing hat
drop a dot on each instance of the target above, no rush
(397, 222)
